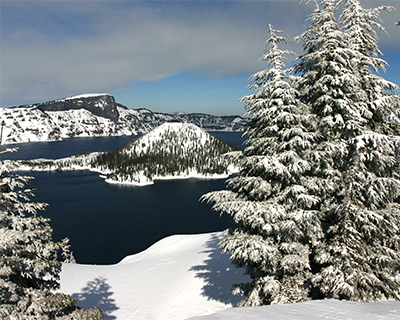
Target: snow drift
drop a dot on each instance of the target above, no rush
(187, 277)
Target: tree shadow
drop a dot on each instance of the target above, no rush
(97, 294)
(219, 275)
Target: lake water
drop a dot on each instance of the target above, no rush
(69, 147)
(106, 222)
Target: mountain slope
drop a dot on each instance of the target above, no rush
(93, 115)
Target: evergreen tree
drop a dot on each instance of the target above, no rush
(29, 259)
(359, 26)
(316, 200)
(269, 201)
(357, 154)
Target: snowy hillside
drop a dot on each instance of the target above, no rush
(173, 150)
(186, 276)
(93, 115)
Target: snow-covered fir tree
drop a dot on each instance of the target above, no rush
(30, 262)
(356, 153)
(316, 200)
(269, 201)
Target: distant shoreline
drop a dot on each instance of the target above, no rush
(144, 181)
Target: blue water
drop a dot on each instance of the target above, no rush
(107, 222)
(69, 147)
(65, 148)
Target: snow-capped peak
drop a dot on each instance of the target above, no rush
(161, 134)
(177, 126)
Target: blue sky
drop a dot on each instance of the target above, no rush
(167, 56)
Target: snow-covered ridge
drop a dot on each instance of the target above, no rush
(187, 277)
(87, 95)
(171, 151)
(94, 115)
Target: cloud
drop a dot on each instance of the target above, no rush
(103, 46)
(52, 49)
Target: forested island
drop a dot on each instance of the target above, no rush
(173, 150)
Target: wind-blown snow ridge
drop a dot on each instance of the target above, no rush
(187, 277)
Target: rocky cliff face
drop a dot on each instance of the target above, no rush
(102, 105)
(94, 115)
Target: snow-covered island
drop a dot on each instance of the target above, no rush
(171, 151)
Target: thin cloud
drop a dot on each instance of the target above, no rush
(122, 43)
(55, 49)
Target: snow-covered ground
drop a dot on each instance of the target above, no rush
(186, 276)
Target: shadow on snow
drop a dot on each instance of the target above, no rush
(97, 294)
(219, 278)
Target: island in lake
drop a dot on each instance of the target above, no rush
(171, 151)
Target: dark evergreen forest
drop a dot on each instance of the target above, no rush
(172, 153)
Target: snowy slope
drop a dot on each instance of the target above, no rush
(32, 124)
(93, 115)
(169, 136)
(173, 279)
(186, 276)
(313, 310)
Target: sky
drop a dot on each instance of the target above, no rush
(167, 56)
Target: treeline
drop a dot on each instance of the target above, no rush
(81, 161)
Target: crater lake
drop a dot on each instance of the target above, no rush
(107, 222)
